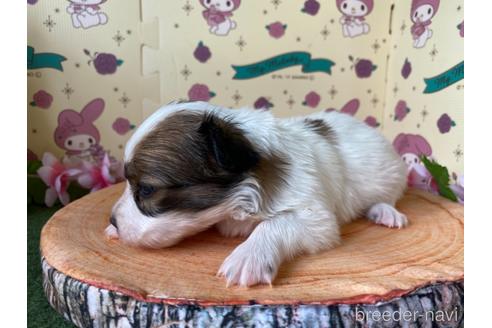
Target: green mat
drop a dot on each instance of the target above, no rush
(39, 312)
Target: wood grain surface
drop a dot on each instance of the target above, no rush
(373, 263)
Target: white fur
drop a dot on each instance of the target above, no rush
(328, 183)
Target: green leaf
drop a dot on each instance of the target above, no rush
(76, 191)
(35, 190)
(33, 166)
(441, 176)
(448, 193)
(119, 62)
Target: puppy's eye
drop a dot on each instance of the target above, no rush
(145, 191)
(344, 6)
(429, 11)
(362, 7)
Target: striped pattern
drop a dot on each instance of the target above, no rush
(88, 306)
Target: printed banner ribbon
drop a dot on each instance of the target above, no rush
(283, 61)
(44, 60)
(445, 79)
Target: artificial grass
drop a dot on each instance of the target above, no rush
(39, 312)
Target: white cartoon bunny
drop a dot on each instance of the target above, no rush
(421, 14)
(218, 15)
(86, 13)
(353, 19)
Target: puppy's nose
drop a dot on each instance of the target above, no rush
(112, 220)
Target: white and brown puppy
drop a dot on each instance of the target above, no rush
(288, 184)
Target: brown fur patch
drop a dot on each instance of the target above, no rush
(185, 165)
(320, 127)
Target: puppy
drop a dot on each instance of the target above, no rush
(287, 184)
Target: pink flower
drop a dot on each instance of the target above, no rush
(276, 30)
(372, 121)
(351, 107)
(202, 53)
(262, 103)
(311, 7)
(106, 63)
(57, 177)
(200, 92)
(42, 99)
(122, 125)
(401, 110)
(461, 27)
(312, 99)
(445, 123)
(420, 178)
(364, 68)
(458, 188)
(95, 177)
(406, 69)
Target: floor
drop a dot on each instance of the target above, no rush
(39, 312)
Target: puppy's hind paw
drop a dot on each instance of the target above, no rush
(387, 215)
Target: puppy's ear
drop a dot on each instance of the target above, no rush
(227, 145)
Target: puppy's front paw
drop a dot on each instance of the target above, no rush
(111, 232)
(246, 266)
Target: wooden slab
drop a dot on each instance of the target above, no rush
(373, 263)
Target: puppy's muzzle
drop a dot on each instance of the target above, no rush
(111, 230)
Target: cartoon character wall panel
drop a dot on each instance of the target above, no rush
(79, 51)
(280, 55)
(425, 78)
(397, 65)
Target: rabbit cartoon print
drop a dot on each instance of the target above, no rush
(354, 13)
(218, 14)
(422, 12)
(86, 13)
(76, 132)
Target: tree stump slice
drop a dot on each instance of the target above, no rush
(416, 271)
